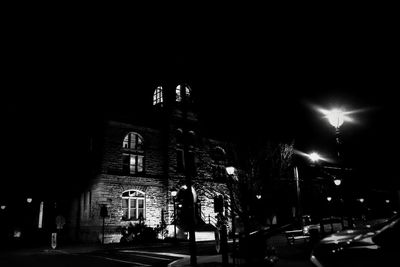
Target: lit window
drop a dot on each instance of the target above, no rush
(133, 141)
(132, 158)
(133, 205)
(132, 163)
(157, 96)
(178, 94)
(183, 93)
(188, 91)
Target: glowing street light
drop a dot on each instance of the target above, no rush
(230, 170)
(337, 181)
(29, 200)
(329, 198)
(3, 207)
(336, 117)
(314, 157)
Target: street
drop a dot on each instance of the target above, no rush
(96, 258)
(150, 255)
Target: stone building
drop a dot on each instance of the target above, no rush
(141, 163)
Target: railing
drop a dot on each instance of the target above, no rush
(209, 219)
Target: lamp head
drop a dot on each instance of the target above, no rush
(230, 170)
(337, 181)
(336, 117)
(314, 157)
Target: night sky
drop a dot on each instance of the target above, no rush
(259, 81)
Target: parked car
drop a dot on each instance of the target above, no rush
(376, 245)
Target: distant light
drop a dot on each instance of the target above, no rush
(329, 198)
(258, 196)
(173, 193)
(314, 157)
(387, 201)
(361, 200)
(17, 233)
(3, 207)
(337, 181)
(184, 187)
(230, 170)
(29, 200)
(180, 205)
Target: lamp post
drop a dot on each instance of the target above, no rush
(336, 118)
(231, 174)
(173, 194)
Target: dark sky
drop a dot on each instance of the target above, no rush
(259, 79)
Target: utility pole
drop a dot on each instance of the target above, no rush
(296, 177)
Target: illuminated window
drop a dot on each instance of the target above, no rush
(157, 96)
(183, 93)
(133, 205)
(133, 141)
(132, 157)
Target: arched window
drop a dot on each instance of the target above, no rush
(132, 157)
(133, 205)
(158, 96)
(183, 92)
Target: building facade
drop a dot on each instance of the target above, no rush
(141, 164)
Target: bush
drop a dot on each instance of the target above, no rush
(135, 233)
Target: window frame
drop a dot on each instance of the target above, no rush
(127, 216)
(183, 92)
(158, 96)
(133, 158)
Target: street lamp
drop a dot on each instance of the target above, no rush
(337, 181)
(231, 173)
(336, 118)
(173, 194)
(314, 157)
